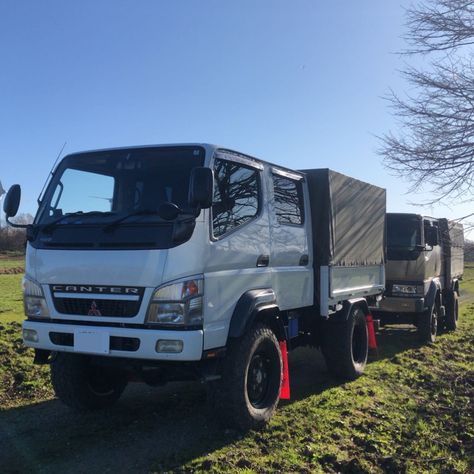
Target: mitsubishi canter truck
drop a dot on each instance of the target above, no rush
(194, 262)
(425, 261)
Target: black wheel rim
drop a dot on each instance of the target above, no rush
(263, 377)
(359, 343)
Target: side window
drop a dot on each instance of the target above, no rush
(236, 196)
(288, 200)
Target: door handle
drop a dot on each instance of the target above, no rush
(304, 259)
(263, 261)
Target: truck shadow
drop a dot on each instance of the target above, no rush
(150, 428)
(392, 340)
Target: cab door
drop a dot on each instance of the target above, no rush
(238, 254)
(289, 254)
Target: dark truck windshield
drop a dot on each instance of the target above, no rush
(96, 188)
(404, 238)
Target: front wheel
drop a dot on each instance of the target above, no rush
(247, 395)
(452, 312)
(428, 325)
(84, 386)
(346, 345)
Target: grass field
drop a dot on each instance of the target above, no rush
(11, 263)
(413, 411)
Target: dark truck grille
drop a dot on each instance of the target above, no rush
(119, 308)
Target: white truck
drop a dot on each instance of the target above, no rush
(178, 262)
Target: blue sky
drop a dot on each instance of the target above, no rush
(297, 83)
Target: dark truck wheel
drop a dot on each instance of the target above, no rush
(247, 395)
(452, 312)
(346, 345)
(84, 386)
(428, 325)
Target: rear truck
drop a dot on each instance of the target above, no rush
(194, 262)
(425, 261)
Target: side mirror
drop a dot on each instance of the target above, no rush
(201, 187)
(431, 237)
(12, 201)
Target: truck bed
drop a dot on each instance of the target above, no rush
(348, 228)
(452, 241)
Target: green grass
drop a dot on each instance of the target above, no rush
(11, 300)
(411, 412)
(467, 283)
(11, 261)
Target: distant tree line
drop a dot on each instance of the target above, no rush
(12, 239)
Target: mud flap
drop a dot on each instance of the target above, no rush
(285, 384)
(371, 332)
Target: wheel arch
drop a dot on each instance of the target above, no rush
(434, 294)
(256, 305)
(347, 306)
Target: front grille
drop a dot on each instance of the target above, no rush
(97, 307)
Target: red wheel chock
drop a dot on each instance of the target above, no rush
(285, 384)
(371, 331)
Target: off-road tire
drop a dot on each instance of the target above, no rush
(230, 397)
(83, 386)
(427, 325)
(345, 345)
(452, 312)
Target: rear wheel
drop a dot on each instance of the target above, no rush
(248, 393)
(84, 386)
(428, 325)
(452, 312)
(346, 345)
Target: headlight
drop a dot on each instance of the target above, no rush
(178, 304)
(33, 299)
(408, 290)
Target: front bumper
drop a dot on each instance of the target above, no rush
(394, 304)
(192, 341)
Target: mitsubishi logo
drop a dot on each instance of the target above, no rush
(93, 310)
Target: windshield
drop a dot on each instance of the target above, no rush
(100, 186)
(403, 231)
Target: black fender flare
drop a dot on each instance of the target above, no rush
(253, 305)
(433, 290)
(347, 305)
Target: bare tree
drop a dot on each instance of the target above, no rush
(435, 144)
(12, 239)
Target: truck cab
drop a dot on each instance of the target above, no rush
(424, 265)
(192, 261)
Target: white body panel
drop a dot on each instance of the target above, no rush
(292, 282)
(342, 283)
(192, 341)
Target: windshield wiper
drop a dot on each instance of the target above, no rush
(143, 212)
(51, 225)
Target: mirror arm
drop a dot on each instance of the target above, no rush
(17, 226)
